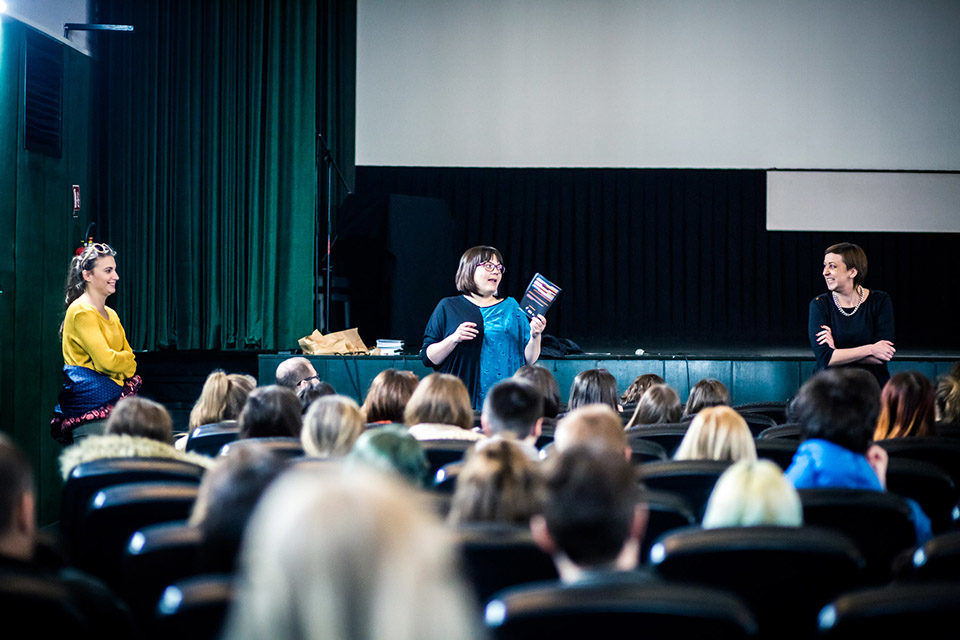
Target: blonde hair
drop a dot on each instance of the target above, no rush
(498, 483)
(753, 493)
(347, 557)
(440, 398)
(717, 433)
(221, 398)
(595, 426)
(331, 426)
(948, 399)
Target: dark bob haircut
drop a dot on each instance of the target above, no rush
(594, 386)
(839, 405)
(853, 256)
(469, 262)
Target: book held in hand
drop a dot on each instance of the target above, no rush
(539, 295)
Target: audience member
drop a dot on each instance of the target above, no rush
(347, 558)
(592, 522)
(706, 393)
(296, 372)
(541, 378)
(948, 400)
(753, 493)
(222, 398)
(393, 450)
(906, 407)
(227, 496)
(498, 483)
(440, 409)
(658, 404)
(331, 426)
(388, 396)
(594, 426)
(638, 387)
(270, 412)
(105, 616)
(513, 410)
(837, 411)
(136, 428)
(307, 393)
(717, 433)
(594, 386)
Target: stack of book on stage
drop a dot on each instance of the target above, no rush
(389, 347)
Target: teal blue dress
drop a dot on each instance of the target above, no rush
(506, 331)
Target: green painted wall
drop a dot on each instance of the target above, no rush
(37, 236)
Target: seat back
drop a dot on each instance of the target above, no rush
(777, 450)
(286, 448)
(41, 607)
(943, 452)
(691, 479)
(443, 452)
(790, 431)
(208, 439)
(87, 478)
(758, 422)
(926, 483)
(894, 611)
(195, 608)
(666, 512)
(496, 556)
(445, 479)
(553, 611)
(114, 514)
(784, 574)
(643, 451)
(878, 522)
(667, 435)
(937, 559)
(776, 411)
(155, 557)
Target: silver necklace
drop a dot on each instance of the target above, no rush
(836, 301)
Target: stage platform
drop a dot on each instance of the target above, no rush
(765, 375)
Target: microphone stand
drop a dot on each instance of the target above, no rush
(325, 156)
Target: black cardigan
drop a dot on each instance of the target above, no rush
(464, 360)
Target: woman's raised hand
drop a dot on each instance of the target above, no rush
(883, 350)
(537, 325)
(466, 331)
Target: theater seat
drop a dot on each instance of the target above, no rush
(776, 411)
(286, 448)
(88, 478)
(40, 608)
(445, 479)
(784, 574)
(877, 522)
(943, 452)
(443, 452)
(666, 512)
(156, 556)
(208, 439)
(195, 608)
(927, 611)
(643, 451)
(758, 423)
(789, 431)
(778, 450)
(691, 479)
(667, 435)
(928, 484)
(115, 513)
(498, 555)
(651, 611)
(938, 559)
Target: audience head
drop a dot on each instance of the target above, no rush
(311, 391)
(706, 393)
(594, 386)
(221, 398)
(498, 483)
(391, 449)
(717, 433)
(753, 493)
(469, 261)
(227, 496)
(853, 258)
(17, 498)
(948, 399)
(512, 407)
(295, 372)
(440, 398)
(906, 407)
(839, 405)
(658, 404)
(270, 412)
(347, 558)
(331, 426)
(541, 378)
(596, 427)
(388, 395)
(136, 416)
(591, 517)
(639, 385)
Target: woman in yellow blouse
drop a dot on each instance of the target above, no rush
(99, 366)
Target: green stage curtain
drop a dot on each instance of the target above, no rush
(206, 121)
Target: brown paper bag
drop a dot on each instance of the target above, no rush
(345, 342)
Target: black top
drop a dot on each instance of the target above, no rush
(872, 322)
(464, 360)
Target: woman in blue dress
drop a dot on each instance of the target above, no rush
(478, 336)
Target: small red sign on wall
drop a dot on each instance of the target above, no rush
(76, 198)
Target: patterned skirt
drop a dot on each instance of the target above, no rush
(87, 395)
